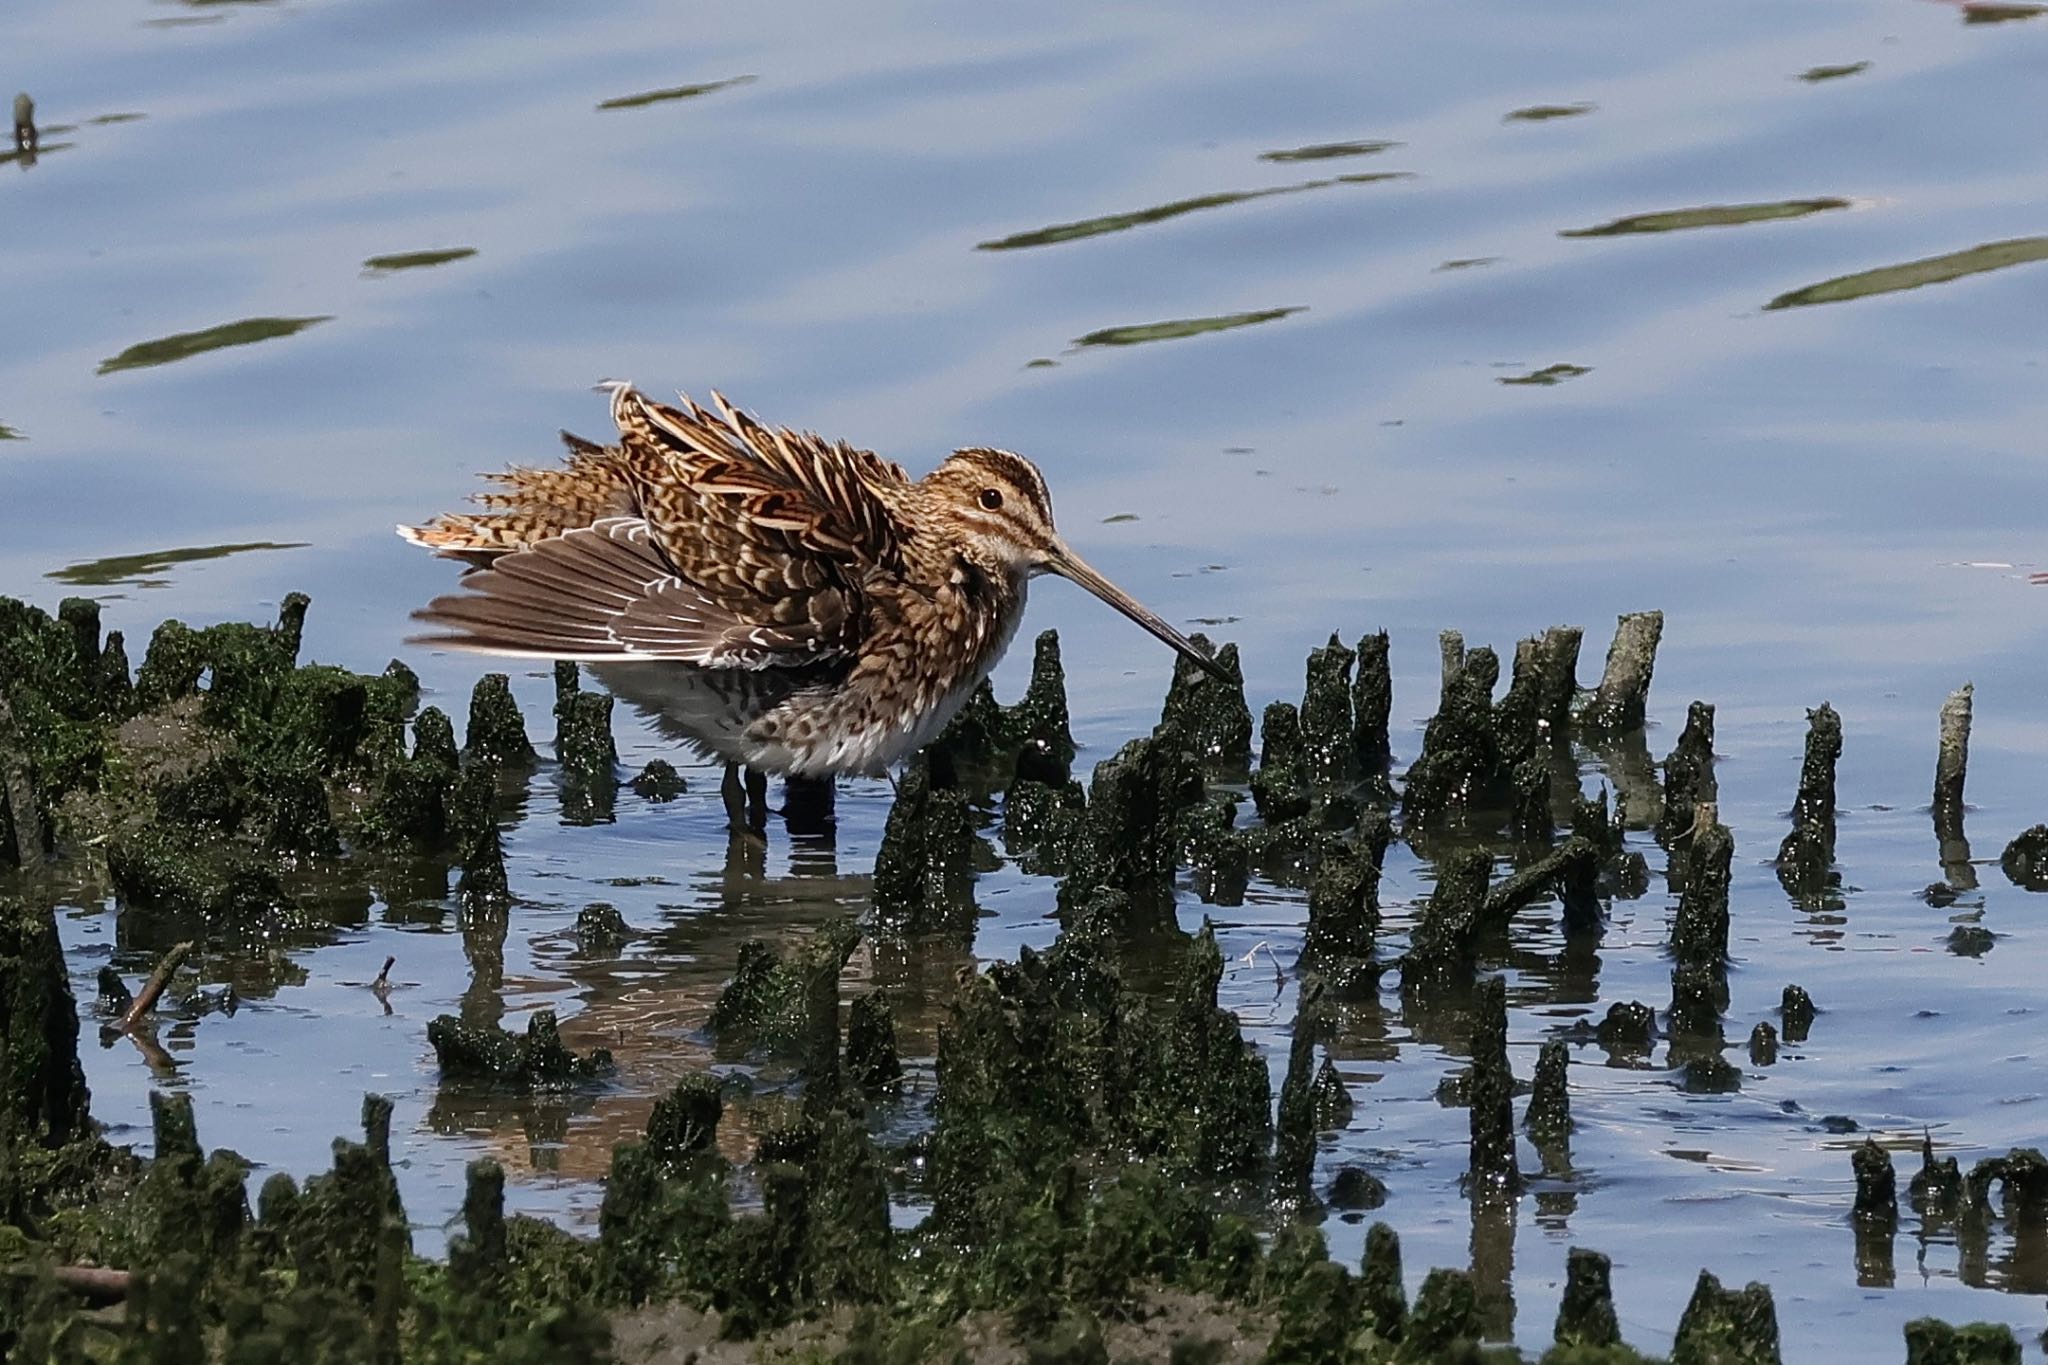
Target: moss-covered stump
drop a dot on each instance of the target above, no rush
(1444, 943)
(1182, 1085)
(488, 1052)
(988, 745)
(1930, 1341)
(48, 1147)
(1329, 739)
(872, 1062)
(785, 1006)
(1689, 772)
(1699, 931)
(924, 871)
(496, 732)
(1372, 706)
(1343, 918)
(1586, 1316)
(1806, 858)
(1208, 717)
(1135, 805)
(225, 762)
(1460, 764)
(1727, 1326)
(1618, 704)
(2025, 859)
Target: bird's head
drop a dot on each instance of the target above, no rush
(997, 505)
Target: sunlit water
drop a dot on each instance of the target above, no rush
(431, 228)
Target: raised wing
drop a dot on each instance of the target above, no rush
(799, 491)
(607, 593)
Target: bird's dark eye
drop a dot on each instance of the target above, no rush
(991, 498)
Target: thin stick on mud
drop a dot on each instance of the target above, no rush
(97, 1285)
(146, 998)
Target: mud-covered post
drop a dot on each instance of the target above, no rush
(1328, 735)
(1951, 765)
(1699, 932)
(43, 1097)
(1493, 1174)
(25, 136)
(1549, 1116)
(22, 838)
(1372, 705)
(1689, 773)
(1807, 856)
(1620, 702)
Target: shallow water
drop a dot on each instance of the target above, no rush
(285, 273)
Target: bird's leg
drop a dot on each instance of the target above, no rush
(757, 802)
(807, 805)
(735, 799)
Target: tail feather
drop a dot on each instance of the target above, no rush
(533, 505)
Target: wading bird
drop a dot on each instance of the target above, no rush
(782, 602)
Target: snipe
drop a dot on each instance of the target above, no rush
(782, 602)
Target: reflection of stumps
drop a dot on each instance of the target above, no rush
(1586, 1316)
(1797, 1010)
(1951, 764)
(1619, 703)
(1808, 852)
(1877, 1214)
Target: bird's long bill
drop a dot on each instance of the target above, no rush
(1075, 569)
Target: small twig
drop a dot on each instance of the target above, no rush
(146, 999)
(98, 1285)
(1251, 956)
(383, 981)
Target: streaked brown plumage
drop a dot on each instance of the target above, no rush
(778, 600)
